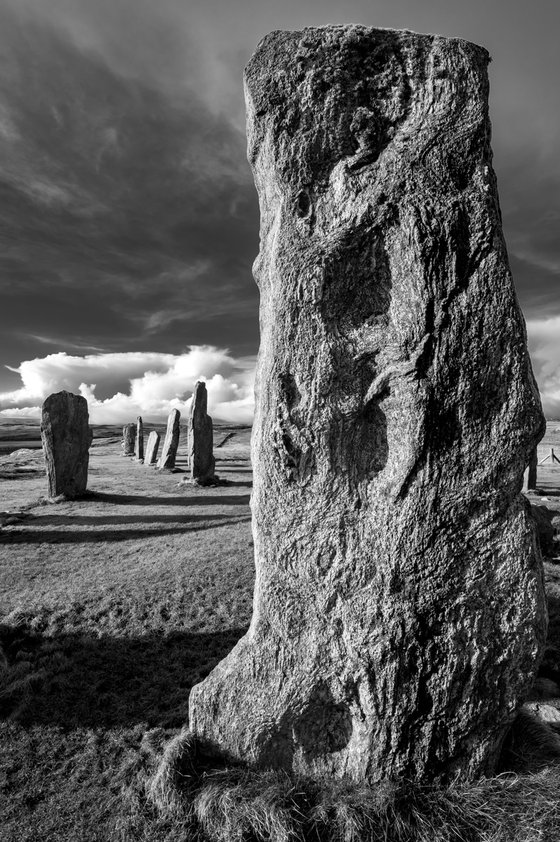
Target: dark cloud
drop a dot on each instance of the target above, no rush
(126, 219)
(134, 38)
(537, 289)
(127, 210)
(530, 201)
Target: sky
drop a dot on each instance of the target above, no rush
(128, 215)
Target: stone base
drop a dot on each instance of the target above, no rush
(204, 482)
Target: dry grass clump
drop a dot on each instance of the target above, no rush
(243, 805)
(236, 805)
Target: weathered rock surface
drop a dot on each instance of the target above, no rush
(129, 439)
(171, 442)
(152, 448)
(139, 444)
(66, 438)
(200, 437)
(398, 609)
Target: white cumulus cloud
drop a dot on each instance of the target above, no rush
(155, 384)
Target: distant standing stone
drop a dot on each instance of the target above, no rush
(530, 476)
(128, 439)
(200, 438)
(152, 448)
(171, 442)
(66, 438)
(139, 447)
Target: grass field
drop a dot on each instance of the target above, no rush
(111, 608)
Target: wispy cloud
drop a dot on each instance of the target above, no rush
(126, 206)
(58, 342)
(530, 200)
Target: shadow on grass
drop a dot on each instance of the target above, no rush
(182, 500)
(102, 520)
(220, 500)
(240, 483)
(82, 681)
(135, 499)
(545, 491)
(194, 523)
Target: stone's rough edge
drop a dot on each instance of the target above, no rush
(297, 34)
(227, 707)
(362, 28)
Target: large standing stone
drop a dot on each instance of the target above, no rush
(171, 442)
(139, 446)
(66, 438)
(128, 439)
(200, 437)
(152, 448)
(398, 609)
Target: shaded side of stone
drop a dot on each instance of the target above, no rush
(128, 439)
(545, 522)
(200, 437)
(139, 444)
(66, 437)
(171, 442)
(152, 448)
(399, 610)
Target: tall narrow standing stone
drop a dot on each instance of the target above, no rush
(200, 437)
(530, 477)
(398, 609)
(171, 442)
(128, 439)
(139, 446)
(152, 448)
(66, 438)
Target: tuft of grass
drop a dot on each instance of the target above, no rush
(239, 804)
(176, 775)
(234, 806)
